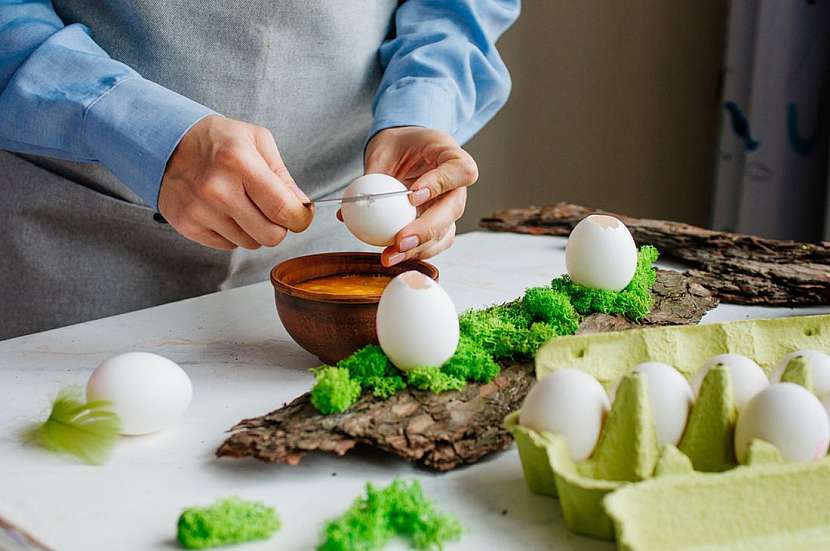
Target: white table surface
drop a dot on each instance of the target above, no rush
(243, 364)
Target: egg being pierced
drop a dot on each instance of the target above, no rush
(601, 253)
(787, 416)
(748, 379)
(417, 324)
(819, 364)
(377, 221)
(671, 399)
(148, 391)
(571, 403)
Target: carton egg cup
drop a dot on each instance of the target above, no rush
(649, 496)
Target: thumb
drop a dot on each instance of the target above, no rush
(267, 147)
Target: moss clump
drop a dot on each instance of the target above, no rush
(499, 332)
(229, 521)
(538, 334)
(372, 370)
(471, 363)
(633, 302)
(334, 391)
(400, 509)
(552, 307)
(434, 380)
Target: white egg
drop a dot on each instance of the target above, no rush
(601, 253)
(148, 391)
(568, 402)
(377, 221)
(787, 416)
(671, 399)
(819, 364)
(748, 379)
(417, 323)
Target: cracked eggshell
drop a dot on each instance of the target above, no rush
(671, 400)
(377, 221)
(601, 253)
(787, 416)
(569, 402)
(819, 363)
(417, 324)
(148, 391)
(748, 379)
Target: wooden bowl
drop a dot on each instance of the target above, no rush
(332, 326)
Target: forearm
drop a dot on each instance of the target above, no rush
(442, 69)
(62, 96)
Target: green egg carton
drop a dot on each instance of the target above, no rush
(631, 481)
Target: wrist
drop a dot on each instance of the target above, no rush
(134, 128)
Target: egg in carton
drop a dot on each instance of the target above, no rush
(632, 478)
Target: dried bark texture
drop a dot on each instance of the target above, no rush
(738, 268)
(439, 431)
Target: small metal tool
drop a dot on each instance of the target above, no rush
(357, 198)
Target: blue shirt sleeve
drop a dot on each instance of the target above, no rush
(441, 68)
(62, 96)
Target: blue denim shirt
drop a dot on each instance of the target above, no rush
(62, 96)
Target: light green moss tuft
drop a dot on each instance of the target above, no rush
(434, 380)
(400, 509)
(229, 521)
(334, 390)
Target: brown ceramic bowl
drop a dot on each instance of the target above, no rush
(332, 326)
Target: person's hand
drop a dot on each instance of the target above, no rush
(226, 186)
(435, 167)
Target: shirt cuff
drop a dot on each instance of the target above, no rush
(414, 102)
(133, 128)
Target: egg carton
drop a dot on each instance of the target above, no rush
(651, 496)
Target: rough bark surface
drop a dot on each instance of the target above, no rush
(439, 431)
(738, 268)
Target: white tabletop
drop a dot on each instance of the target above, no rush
(243, 364)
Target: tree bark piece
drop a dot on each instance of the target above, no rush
(438, 431)
(738, 268)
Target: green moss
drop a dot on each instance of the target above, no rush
(499, 332)
(400, 509)
(471, 363)
(538, 334)
(367, 363)
(373, 371)
(334, 390)
(229, 521)
(552, 307)
(633, 302)
(434, 380)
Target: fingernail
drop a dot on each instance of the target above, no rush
(419, 197)
(409, 242)
(395, 259)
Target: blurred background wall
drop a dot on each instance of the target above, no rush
(614, 105)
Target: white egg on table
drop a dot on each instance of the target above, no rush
(377, 221)
(148, 391)
(601, 253)
(787, 416)
(748, 379)
(417, 323)
(819, 364)
(671, 400)
(569, 402)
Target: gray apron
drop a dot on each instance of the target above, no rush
(77, 244)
